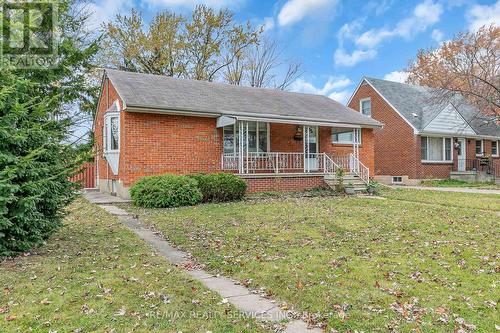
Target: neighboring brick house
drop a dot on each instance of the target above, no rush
(275, 140)
(424, 139)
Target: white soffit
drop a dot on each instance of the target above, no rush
(225, 121)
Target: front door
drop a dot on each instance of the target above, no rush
(310, 148)
(461, 154)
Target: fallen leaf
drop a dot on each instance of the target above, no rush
(121, 312)
(10, 318)
(45, 301)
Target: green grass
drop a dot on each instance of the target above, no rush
(416, 261)
(447, 199)
(96, 276)
(459, 183)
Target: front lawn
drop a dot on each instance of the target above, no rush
(96, 276)
(448, 199)
(415, 261)
(459, 183)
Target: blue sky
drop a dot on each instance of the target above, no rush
(338, 42)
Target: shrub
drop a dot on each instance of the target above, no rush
(165, 191)
(220, 187)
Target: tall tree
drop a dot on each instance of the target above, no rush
(198, 47)
(35, 161)
(214, 41)
(206, 45)
(469, 65)
(264, 61)
(159, 50)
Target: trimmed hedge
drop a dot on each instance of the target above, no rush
(220, 187)
(166, 191)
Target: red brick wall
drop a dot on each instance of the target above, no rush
(283, 184)
(158, 144)
(395, 144)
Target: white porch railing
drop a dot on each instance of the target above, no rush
(356, 166)
(276, 162)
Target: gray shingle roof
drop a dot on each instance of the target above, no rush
(166, 93)
(410, 100)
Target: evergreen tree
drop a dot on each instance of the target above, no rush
(36, 159)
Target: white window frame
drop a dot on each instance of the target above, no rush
(346, 142)
(397, 182)
(482, 148)
(443, 145)
(107, 132)
(257, 125)
(496, 144)
(361, 106)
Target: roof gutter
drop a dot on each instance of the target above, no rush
(253, 117)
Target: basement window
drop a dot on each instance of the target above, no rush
(397, 180)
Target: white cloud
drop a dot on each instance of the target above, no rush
(342, 58)
(437, 35)
(396, 76)
(105, 11)
(479, 15)
(424, 15)
(192, 3)
(296, 10)
(268, 23)
(341, 96)
(333, 88)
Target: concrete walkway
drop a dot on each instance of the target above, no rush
(450, 189)
(242, 298)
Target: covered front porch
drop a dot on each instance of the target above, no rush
(271, 148)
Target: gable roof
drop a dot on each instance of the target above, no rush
(415, 104)
(165, 94)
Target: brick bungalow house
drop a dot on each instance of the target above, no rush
(275, 140)
(424, 139)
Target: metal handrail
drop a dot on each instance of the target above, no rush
(359, 169)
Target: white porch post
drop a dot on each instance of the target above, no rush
(242, 146)
(306, 148)
(355, 148)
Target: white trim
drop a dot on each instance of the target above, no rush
(457, 135)
(361, 106)
(364, 79)
(496, 143)
(436, 162)
(252, 117)
(257, 124)
(107, 126)
(482, 148)
(444, 160)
